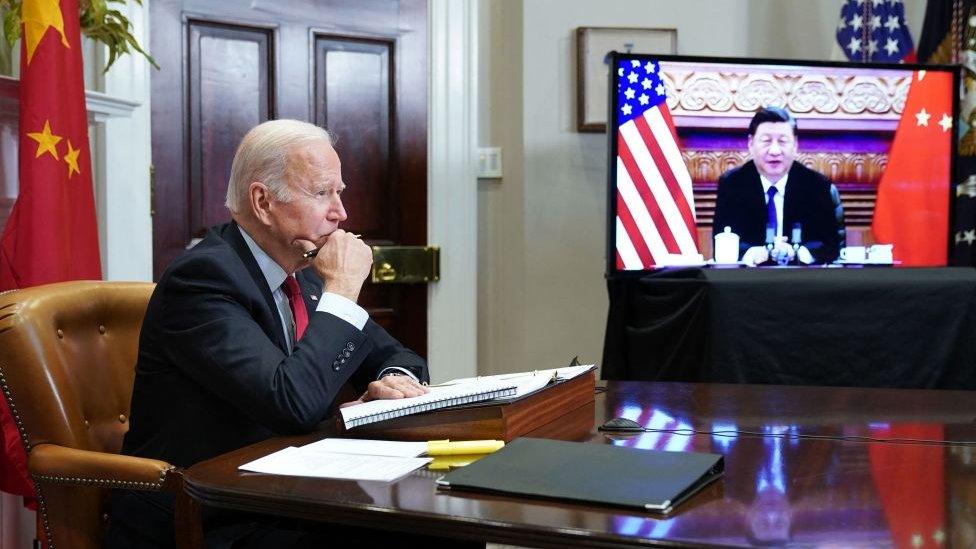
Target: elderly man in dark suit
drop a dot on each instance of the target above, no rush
(775, 192)
(242, 340)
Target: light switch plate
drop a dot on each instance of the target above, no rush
(490, 162)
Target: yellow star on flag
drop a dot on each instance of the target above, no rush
(46, 141)
(71, 158)
(38, 15)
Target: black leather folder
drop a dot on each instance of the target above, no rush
(650, 480)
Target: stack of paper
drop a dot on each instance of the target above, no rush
(344, 459)
(526, 382)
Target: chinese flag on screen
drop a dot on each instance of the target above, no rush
(912, 211)
(51, 234)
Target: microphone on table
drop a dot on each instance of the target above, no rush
(797, 236)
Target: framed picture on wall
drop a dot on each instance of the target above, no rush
(594, 45)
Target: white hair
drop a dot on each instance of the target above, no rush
(262, 156)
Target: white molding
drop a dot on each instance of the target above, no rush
(101, 106)
(452, 332)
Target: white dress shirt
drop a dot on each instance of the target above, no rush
(802, 253)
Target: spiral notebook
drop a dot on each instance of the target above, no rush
(438, 397)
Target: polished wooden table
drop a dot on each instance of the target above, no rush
(804, 465)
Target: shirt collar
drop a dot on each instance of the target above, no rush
(780, 185)
(273, 273)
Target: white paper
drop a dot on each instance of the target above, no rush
(523, 378)
(300, 462)
(570, 372)
(367, 447)
(533, 381)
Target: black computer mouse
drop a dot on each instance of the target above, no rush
(621, 424)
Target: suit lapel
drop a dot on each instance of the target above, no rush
(794, 193)
(232, 235)
(757, 198)
(311, 290)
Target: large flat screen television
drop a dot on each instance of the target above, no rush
(869, 163)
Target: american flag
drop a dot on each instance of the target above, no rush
(655, 208)
(875, 30)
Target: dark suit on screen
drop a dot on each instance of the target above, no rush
(741, 205)
(214, 373)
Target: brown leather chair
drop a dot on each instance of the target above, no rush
(67, 362)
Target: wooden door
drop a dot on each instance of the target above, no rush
(356, 67)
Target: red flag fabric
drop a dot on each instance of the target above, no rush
(911, 484)
(912, 211)
(52, 234)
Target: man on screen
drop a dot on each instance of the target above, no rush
(766, 198)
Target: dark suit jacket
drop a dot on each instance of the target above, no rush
(213, 372)
(741, 205)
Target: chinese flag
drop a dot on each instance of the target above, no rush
(51, 234)
(912, 211)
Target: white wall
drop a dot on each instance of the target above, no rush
(125, 153)
(452, 125)
(542, 227)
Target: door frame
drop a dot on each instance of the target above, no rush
(452, 187)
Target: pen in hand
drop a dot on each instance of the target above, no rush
(314, 251)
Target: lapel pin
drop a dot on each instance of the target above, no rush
(314, 297)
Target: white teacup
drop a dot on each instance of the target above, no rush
(881, 253)
(853, 254)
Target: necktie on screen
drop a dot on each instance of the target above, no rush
(297, 304)
(771, 220)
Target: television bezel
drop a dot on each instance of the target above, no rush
(615, 57)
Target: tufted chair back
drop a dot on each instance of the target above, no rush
(67, 363)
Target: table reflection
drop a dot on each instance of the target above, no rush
(783, 487)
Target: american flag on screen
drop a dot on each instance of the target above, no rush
(655, 207)
(875, 30)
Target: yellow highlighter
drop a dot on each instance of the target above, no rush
(462, 447)
(446, 463)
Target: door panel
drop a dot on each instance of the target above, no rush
(356, 67)
(229, 94)
(353, 98)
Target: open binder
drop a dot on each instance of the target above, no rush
(564, 406)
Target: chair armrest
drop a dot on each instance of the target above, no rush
(59, 464)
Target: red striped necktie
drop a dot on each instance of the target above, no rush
(297, 304)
